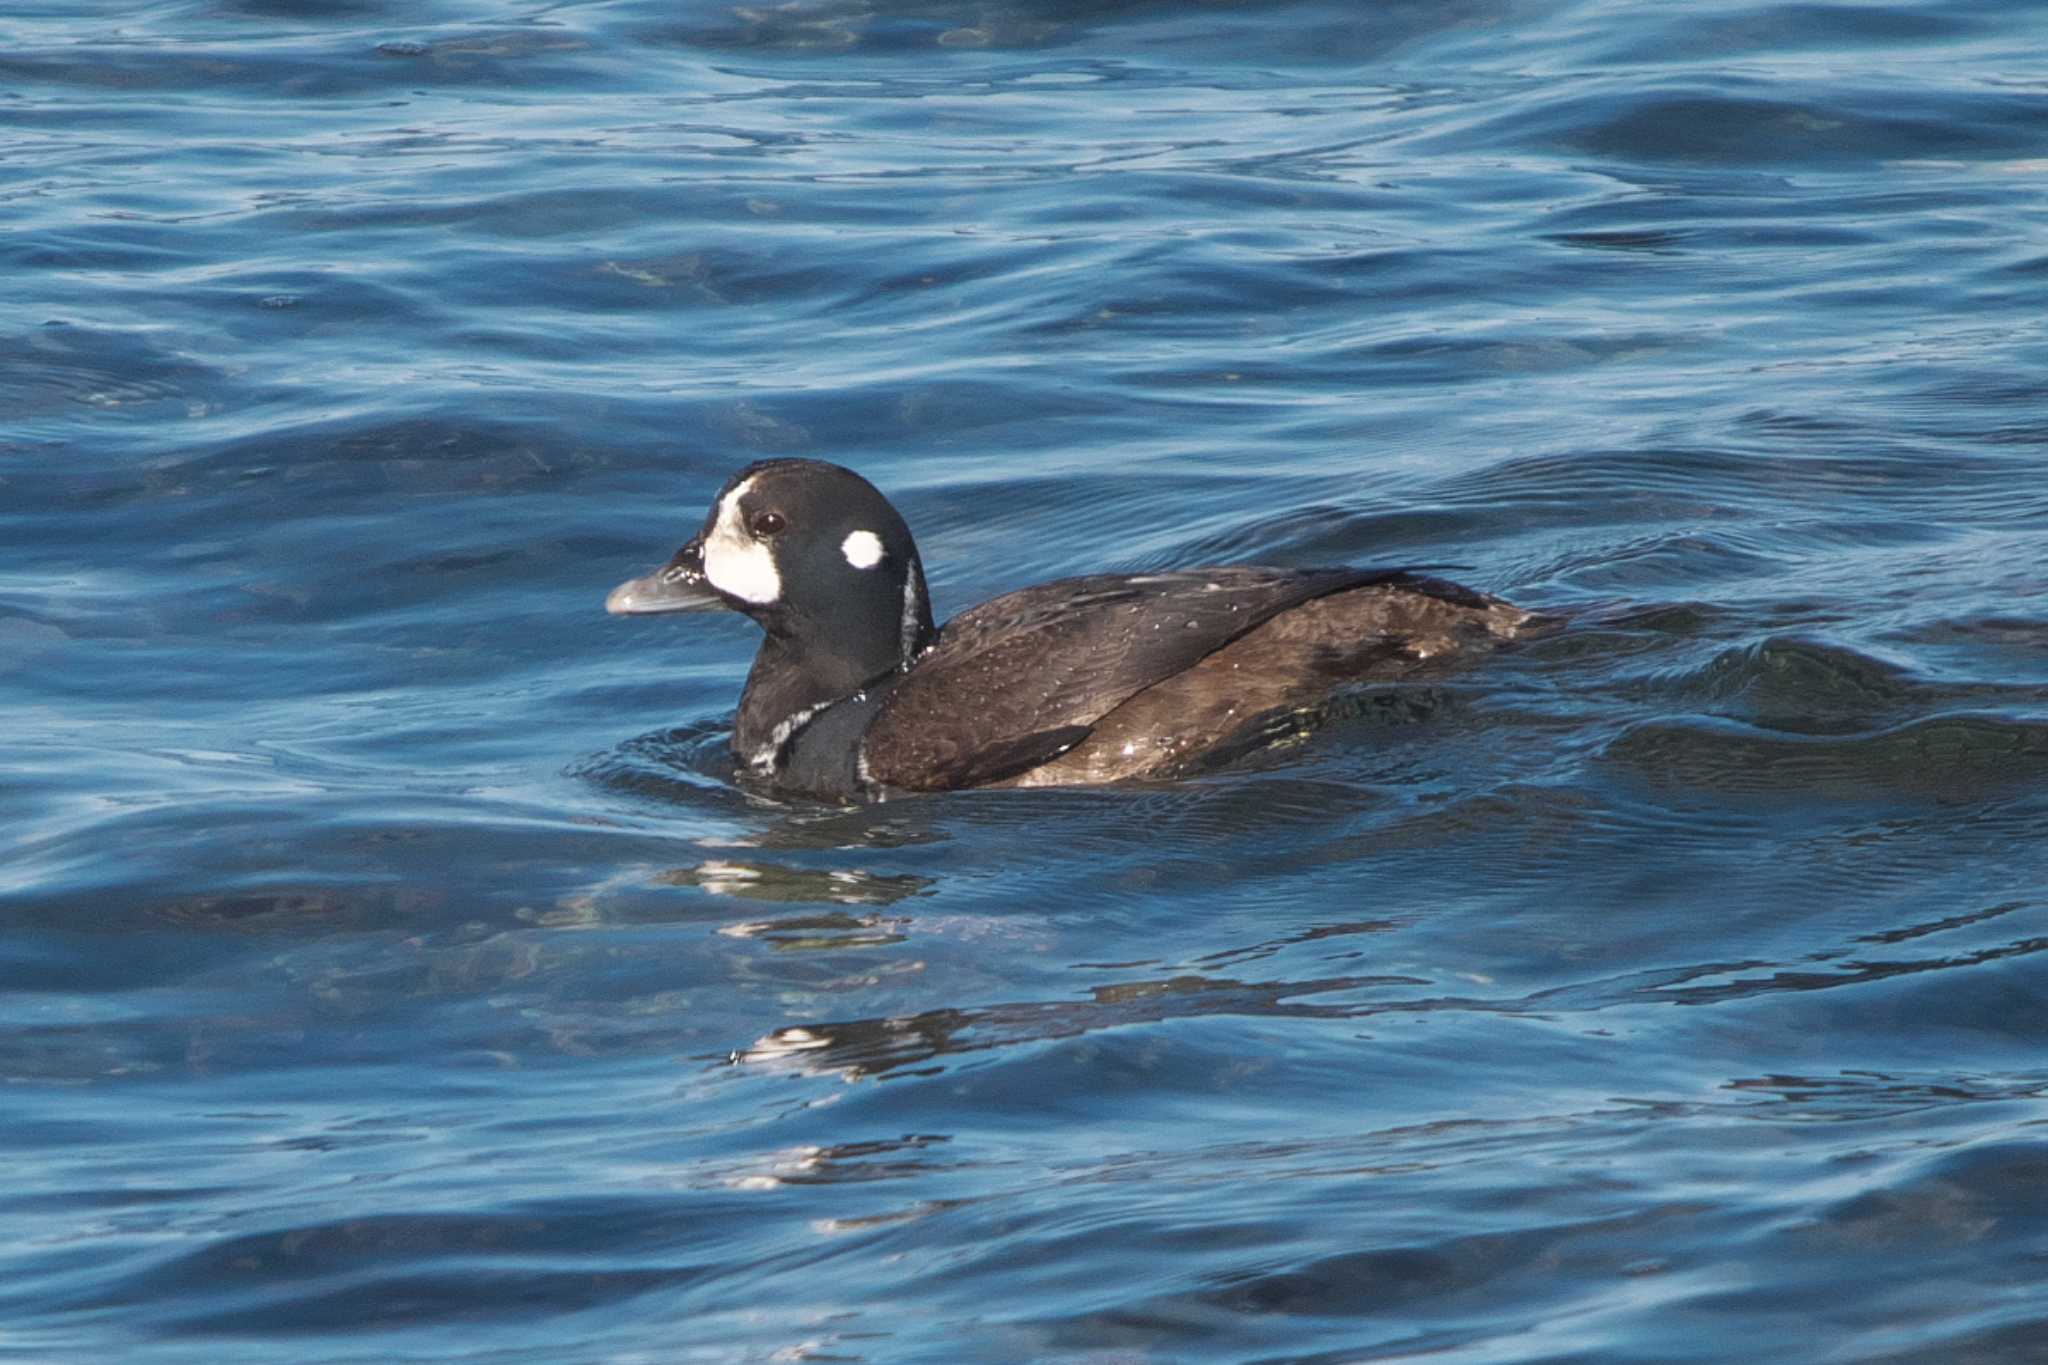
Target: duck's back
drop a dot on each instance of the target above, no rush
(1094, 679)
(1229, 702)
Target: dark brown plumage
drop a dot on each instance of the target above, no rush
(1075, 682)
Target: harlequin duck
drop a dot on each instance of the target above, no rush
(854, 695)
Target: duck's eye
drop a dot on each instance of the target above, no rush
(767, 524)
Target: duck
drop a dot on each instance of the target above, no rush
(856, 696)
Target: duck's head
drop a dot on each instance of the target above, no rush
(814, 554)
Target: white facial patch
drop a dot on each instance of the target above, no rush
(735, 562)
(863, 549)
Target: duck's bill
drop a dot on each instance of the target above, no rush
(678, 585)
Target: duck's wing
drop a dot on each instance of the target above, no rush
(1020, 679)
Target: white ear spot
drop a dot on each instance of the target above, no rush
(863, 549)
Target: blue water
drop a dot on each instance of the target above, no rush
(391, 971)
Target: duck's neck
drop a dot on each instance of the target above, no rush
(813, 656)
(791, 682)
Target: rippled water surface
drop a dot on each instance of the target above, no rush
(391, 970)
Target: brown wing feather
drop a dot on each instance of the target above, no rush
(1054, 659)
